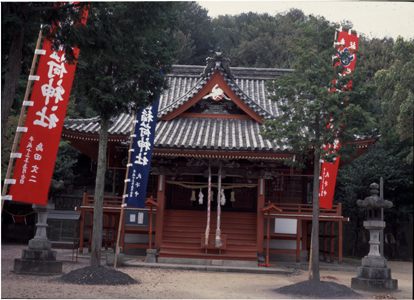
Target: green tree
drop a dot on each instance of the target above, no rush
(195, 25)
(21, 21)
(122, 49)
(396, 91)
(66, 159)
(257, 40)
(386, 160)
(307, 106)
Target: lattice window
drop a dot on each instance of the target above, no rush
(152, 186)
(284, 188)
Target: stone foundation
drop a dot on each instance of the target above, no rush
(374, 279)
(39, 262)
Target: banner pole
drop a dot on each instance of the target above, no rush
(22, 114)
(125, 189)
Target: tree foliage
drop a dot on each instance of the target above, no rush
(308, 107)
(20, 22)
(386, 160)
(258, 40)
(122, 49)
(396, 91)
(196, 32)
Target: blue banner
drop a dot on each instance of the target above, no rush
(140, 161)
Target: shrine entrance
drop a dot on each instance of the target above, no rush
(184, 193)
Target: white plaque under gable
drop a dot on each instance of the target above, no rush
(286, 226)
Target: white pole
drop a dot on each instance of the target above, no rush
(208, 206)
(218, 231)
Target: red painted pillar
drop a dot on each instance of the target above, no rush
(160, 210)
(298, 228)
(332, 240)
(82, 231)
(260, 215)
(304, 235)
(340, 243)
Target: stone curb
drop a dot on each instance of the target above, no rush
(258, 270)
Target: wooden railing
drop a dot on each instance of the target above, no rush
(109, 201)
(306, 209)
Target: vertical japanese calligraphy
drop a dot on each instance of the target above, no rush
(44, 122)
(141, 156)
(347, 46)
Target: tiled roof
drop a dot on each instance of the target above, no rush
(212, 134)
(201, 133)
(189, 133)
(248, 84)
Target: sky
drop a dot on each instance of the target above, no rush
(374, 19)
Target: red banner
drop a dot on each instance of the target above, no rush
(347, 46)
(43, 126)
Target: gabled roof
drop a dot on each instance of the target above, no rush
(247, 84)
(188, 84)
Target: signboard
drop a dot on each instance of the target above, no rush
(136, 217)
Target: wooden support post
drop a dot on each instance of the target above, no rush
(267, 243)
(150, 229)
(332, 241)
(90, 232)
(298, 228)
(340, 243)
(310, 258)
(106, 226)
(304, 235)
(260, 215)
(82, 228)
(325, 240)
(160, 210)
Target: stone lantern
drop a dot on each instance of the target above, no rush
(40, 258)
(374, 274)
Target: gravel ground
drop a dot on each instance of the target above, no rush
(146, 283)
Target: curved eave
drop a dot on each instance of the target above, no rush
(70, 134)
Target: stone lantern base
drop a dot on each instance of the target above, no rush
(374, 279)
(38, 262)
(39, 259)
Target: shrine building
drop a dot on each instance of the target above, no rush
(208, 125)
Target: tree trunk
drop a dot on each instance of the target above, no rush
(315, 220)
(13, 70)
(99, 195)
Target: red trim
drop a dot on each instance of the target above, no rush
(215, 78)
(217, 116)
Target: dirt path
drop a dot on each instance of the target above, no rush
(173, 284)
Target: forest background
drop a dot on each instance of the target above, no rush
(262, 41)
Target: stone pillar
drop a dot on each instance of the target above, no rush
(374, 274)
(39, 258)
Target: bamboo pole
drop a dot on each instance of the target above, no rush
(22, 115)
(125, 190)
(208, 206)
